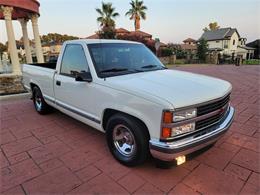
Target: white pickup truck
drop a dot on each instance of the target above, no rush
(123, 90)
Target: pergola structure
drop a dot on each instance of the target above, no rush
(23, 11)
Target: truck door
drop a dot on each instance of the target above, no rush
(75, 97)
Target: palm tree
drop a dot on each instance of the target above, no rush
(107, 15)
(137, 12)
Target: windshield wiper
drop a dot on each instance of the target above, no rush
(159, 67)
(114, 70)
(149, 66)
(153, 66)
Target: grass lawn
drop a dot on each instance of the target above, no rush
(252, 62)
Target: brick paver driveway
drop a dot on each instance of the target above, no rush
(56, 154)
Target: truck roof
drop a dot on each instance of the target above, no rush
(95, 41)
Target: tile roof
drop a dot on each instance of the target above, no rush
(254, 44)
(222, 33)
(121, 30)
(230, 33)
(189, 40)
(141, 33)
(94, 36)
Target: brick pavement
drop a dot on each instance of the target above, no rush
(57, 154)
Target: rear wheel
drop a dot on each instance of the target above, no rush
(127, 139)
(40, 105)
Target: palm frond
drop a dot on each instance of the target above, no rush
(99, 11)
(115, 15)
(107, 14)
(144, 8)
(143, 15)
(137, 10)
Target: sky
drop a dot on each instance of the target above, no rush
(171, 21)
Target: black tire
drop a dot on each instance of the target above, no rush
(134, 129)
(39, 103)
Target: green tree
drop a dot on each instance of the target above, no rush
(137, 12)
(51, 38)
(202, 50)
(3, 48)
(211, 26)
(106, 17)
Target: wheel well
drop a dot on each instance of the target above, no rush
(110, 112)
(32, 85)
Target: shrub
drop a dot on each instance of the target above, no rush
(180, 54)
(165, 52)
(107, 33)
(202, 50)
(252, 62)
(138, 38)
(180, 61)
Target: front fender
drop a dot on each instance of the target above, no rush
(147, 112)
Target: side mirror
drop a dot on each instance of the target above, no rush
(84, 77)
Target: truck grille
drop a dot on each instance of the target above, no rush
(205, 109)
(203, 126)
(209, 121)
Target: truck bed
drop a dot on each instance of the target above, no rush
(51, 65)
(40, 74)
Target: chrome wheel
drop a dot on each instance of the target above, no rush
(124, 140)
(38, 102)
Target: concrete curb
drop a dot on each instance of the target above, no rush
(15, 97)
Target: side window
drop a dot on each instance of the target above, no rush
(74, 60)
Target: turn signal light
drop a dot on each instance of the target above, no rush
(167, 117)
(166, 132)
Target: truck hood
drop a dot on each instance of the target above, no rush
(178, 88)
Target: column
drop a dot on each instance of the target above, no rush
(1, 64)
(7, 12)
(37, 40)
(26, 41)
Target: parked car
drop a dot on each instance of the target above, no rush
(123, 90)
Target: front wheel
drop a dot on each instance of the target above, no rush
(127, 139)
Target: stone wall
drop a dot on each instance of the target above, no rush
(212, 58)
(11, 84)
(168, 60)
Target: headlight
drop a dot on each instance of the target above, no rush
(184, 114)
(183, 129)
(175, 117)
(168, 132)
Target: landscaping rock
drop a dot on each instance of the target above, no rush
(11, 84)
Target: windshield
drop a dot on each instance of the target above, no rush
(112, 59)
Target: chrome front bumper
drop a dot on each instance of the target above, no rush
(168, 151)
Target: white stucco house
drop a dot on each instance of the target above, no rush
(227, 41)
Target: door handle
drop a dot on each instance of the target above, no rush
(58, 83)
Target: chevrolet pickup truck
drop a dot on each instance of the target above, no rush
(122, 89)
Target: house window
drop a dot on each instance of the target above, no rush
(225, 44)
(217, 41)
(234, 42)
